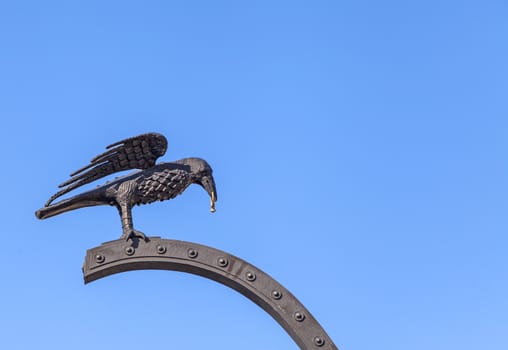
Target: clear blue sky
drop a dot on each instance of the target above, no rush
(360, 155)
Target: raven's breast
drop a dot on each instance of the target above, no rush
(162, 185)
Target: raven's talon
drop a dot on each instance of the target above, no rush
(130, 234)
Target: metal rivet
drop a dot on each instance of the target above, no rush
(191, 253)
(318, 341)
(129, 250)
(161, 249)
(276, 294)
(100, 258)
(251, 276)
(223, 262)
(299, 316)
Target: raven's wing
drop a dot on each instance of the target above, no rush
(139, 152)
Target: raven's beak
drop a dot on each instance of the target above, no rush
(209, 185)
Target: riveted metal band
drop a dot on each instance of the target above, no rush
(164, 254)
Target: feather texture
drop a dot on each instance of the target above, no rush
(138, 152)
(166, 184)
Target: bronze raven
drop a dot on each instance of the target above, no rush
(154, 182)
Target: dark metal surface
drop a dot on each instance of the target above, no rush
(154, 183)
(135, 251)
(164, 254)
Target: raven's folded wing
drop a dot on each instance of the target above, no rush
(139, 152)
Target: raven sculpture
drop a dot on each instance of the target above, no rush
(153, 182)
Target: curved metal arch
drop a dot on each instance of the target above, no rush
(165, 254)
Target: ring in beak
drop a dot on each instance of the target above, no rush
(212, 202)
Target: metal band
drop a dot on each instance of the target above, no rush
(164, 254)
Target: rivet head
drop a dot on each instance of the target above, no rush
(192, 253)
(100, 258)
(129, 250)
(318, 341)
(222, 261)
(251, 276)
(161, 249)
(276, 294)
(299, 317)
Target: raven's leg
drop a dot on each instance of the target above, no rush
(123, 200)
(127, 225)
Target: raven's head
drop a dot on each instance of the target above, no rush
(201, 174)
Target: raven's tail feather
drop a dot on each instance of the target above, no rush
(76, 202)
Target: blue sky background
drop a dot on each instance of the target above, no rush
(359, 150)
